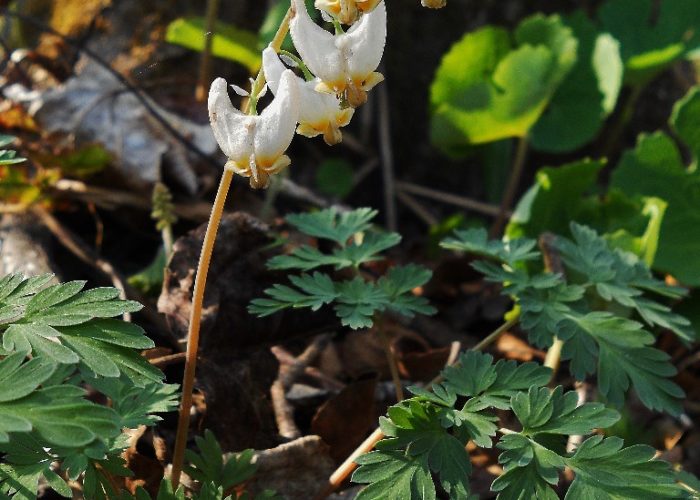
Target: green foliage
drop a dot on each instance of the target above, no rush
(492, 85)
(587, 95)
(48, 428)
(208, 466)
(68, 325)
(358, 300)
(229, 42)
(8, 156)
(651, 40)
(424, 447)
(589, 311)
(655, 168)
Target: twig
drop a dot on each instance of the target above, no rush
(288, 374)
(387, 155)
(417, 208)
(493, 336)
(452, 199)
(205, 63)
(170, 359)
(511, 188)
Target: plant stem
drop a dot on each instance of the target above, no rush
(552, 264)
(626, 114)
(512, 187)
(200, 93)
(349, 465)
(200, 285)
(195, 317)
(493, 336)
(391, 359)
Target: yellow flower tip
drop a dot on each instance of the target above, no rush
(330, 87)
(433, 4)
(348, 12)
(372, 80)
(355, 95)
(367, 5)
(343, 118)
(332, 135)
(309, 130)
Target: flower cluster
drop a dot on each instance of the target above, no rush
(338, 69)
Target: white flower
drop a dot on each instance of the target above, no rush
(319, 113)
(255, 144)
(345, 63)
(346, 11)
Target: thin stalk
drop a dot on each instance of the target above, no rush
(349, 465)
(200, 285)
(167, 236)
(195, 318)
(512, 187)
(391, 359)
(200, 93)
(625, 116)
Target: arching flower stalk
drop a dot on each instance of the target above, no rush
(255, 144)
(345, 63)
(346, 11)
(319, 113)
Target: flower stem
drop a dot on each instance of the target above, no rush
(201, 281)
(195, 317)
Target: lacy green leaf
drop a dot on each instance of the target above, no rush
(541, 411)
(475, 241)
(331, 225)
(607, 471)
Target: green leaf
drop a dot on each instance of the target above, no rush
(624, 358)
(553, 201)
(83, 162)
(393, 475)
(228, 41)
(416, 427)
(604, 470)
(331, 225)
(137, 405)
(542, 310)
(553, 412)
(589, 92)
(475, 241)
(149, 280)
(489, 87)
(651, 40)
(398, 285)
(209, 466)
(357, 301)
(684, 120)
(655, 168)
(313, 291)
(8, 157)
(529, 470)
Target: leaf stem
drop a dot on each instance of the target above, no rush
(195, 318)
(493, 336)
(512, 187)
(552, 264)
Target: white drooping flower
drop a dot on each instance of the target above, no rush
(345, 63)
(255, 144)
(346, 11)
(319, 113)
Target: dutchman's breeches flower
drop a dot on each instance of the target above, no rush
(345, 63)
(255, 144)
(319, 113)
(346, 11)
